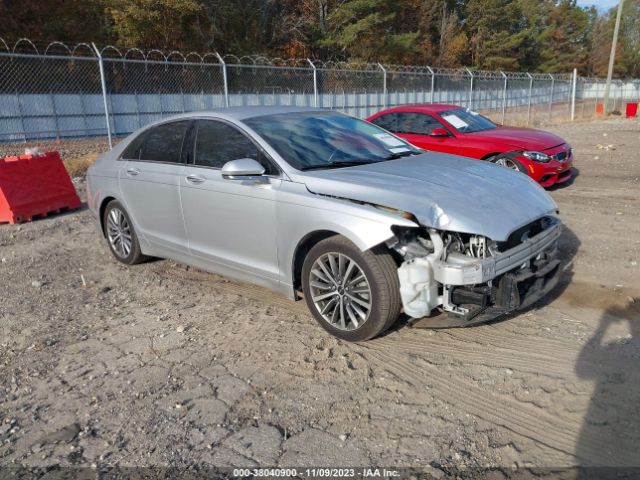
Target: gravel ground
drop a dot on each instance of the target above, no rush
(69, 150)
(160, 364)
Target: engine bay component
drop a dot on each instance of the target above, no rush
(465, 274)
(418, 288)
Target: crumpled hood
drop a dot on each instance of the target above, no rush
(519, 138)
(445, 192)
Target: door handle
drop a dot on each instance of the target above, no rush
(195, 178)
(133, 171)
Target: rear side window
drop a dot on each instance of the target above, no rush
(218, 143)
(164, 142)
(416, 123)
(132, 152)
(387, 121)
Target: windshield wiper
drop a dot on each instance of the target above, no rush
(395, 156)
(350, 163)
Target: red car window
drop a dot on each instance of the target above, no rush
(416, 123)
(387, 121)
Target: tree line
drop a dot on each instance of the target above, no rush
(518, 35)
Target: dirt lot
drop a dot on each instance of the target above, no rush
(160, 364)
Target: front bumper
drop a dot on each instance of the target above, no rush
(551, 173)
(518, 292)
(556, 177)
(481, 271)
(479, 290)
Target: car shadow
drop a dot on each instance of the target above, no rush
(568, 245)
(70, 211)
(609, 439)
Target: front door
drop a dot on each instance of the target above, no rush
(230, 221)
(417, 128)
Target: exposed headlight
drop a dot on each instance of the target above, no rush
(537, 156)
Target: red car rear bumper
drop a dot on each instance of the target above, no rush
(550, 173)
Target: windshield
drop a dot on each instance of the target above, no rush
(318, 139)
(467, 121)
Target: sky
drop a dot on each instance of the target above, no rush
(601, 4)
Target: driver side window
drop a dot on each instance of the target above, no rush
(417, 123)
(388, 121)
(217, 143)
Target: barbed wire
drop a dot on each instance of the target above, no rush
(25, 46)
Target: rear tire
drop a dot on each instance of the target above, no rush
(121, 237)
(354, 295)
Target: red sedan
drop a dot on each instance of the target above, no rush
(543, 156)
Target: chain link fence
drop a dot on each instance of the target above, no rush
(81, 98)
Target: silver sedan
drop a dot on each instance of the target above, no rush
(318, 205)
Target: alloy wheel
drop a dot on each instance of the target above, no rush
(119, 233)
(340, 291)
(507, 162)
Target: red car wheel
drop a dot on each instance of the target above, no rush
(510, 163)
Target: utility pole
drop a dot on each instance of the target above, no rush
(612, 57)
(574, 81)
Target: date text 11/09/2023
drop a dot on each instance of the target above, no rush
(366, 472)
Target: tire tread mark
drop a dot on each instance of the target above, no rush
(478, 335)
(534, 363)
(521, 419)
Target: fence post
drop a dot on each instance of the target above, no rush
(137, 108)
(55, 114)
(384, 85)
(433, 83)
(104, 92)
(470, 89)
(21, 112)
(569, 90)
(84, 114)
(573, 93)
(504, 95)
(315, 83)
(530, 94)
(582, 94)
(553, 81)
(224, 78)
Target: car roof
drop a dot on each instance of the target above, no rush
(241, 113)
(423, 107)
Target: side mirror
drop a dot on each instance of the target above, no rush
(243, 167)
(439, 132)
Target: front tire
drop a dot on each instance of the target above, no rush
(510, 163)
(121, 237)
(354, 295)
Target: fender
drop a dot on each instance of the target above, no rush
(364, 225)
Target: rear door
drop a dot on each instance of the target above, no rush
(150, 185)
(230, 221)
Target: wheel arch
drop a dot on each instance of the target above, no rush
(513, 154)
(489, 155)
(103, 206)
(365, 229)
(308, 241)
(300, 253)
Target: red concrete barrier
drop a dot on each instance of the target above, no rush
(632, 110)
(33, 186)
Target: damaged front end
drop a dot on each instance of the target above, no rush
(472, 277)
